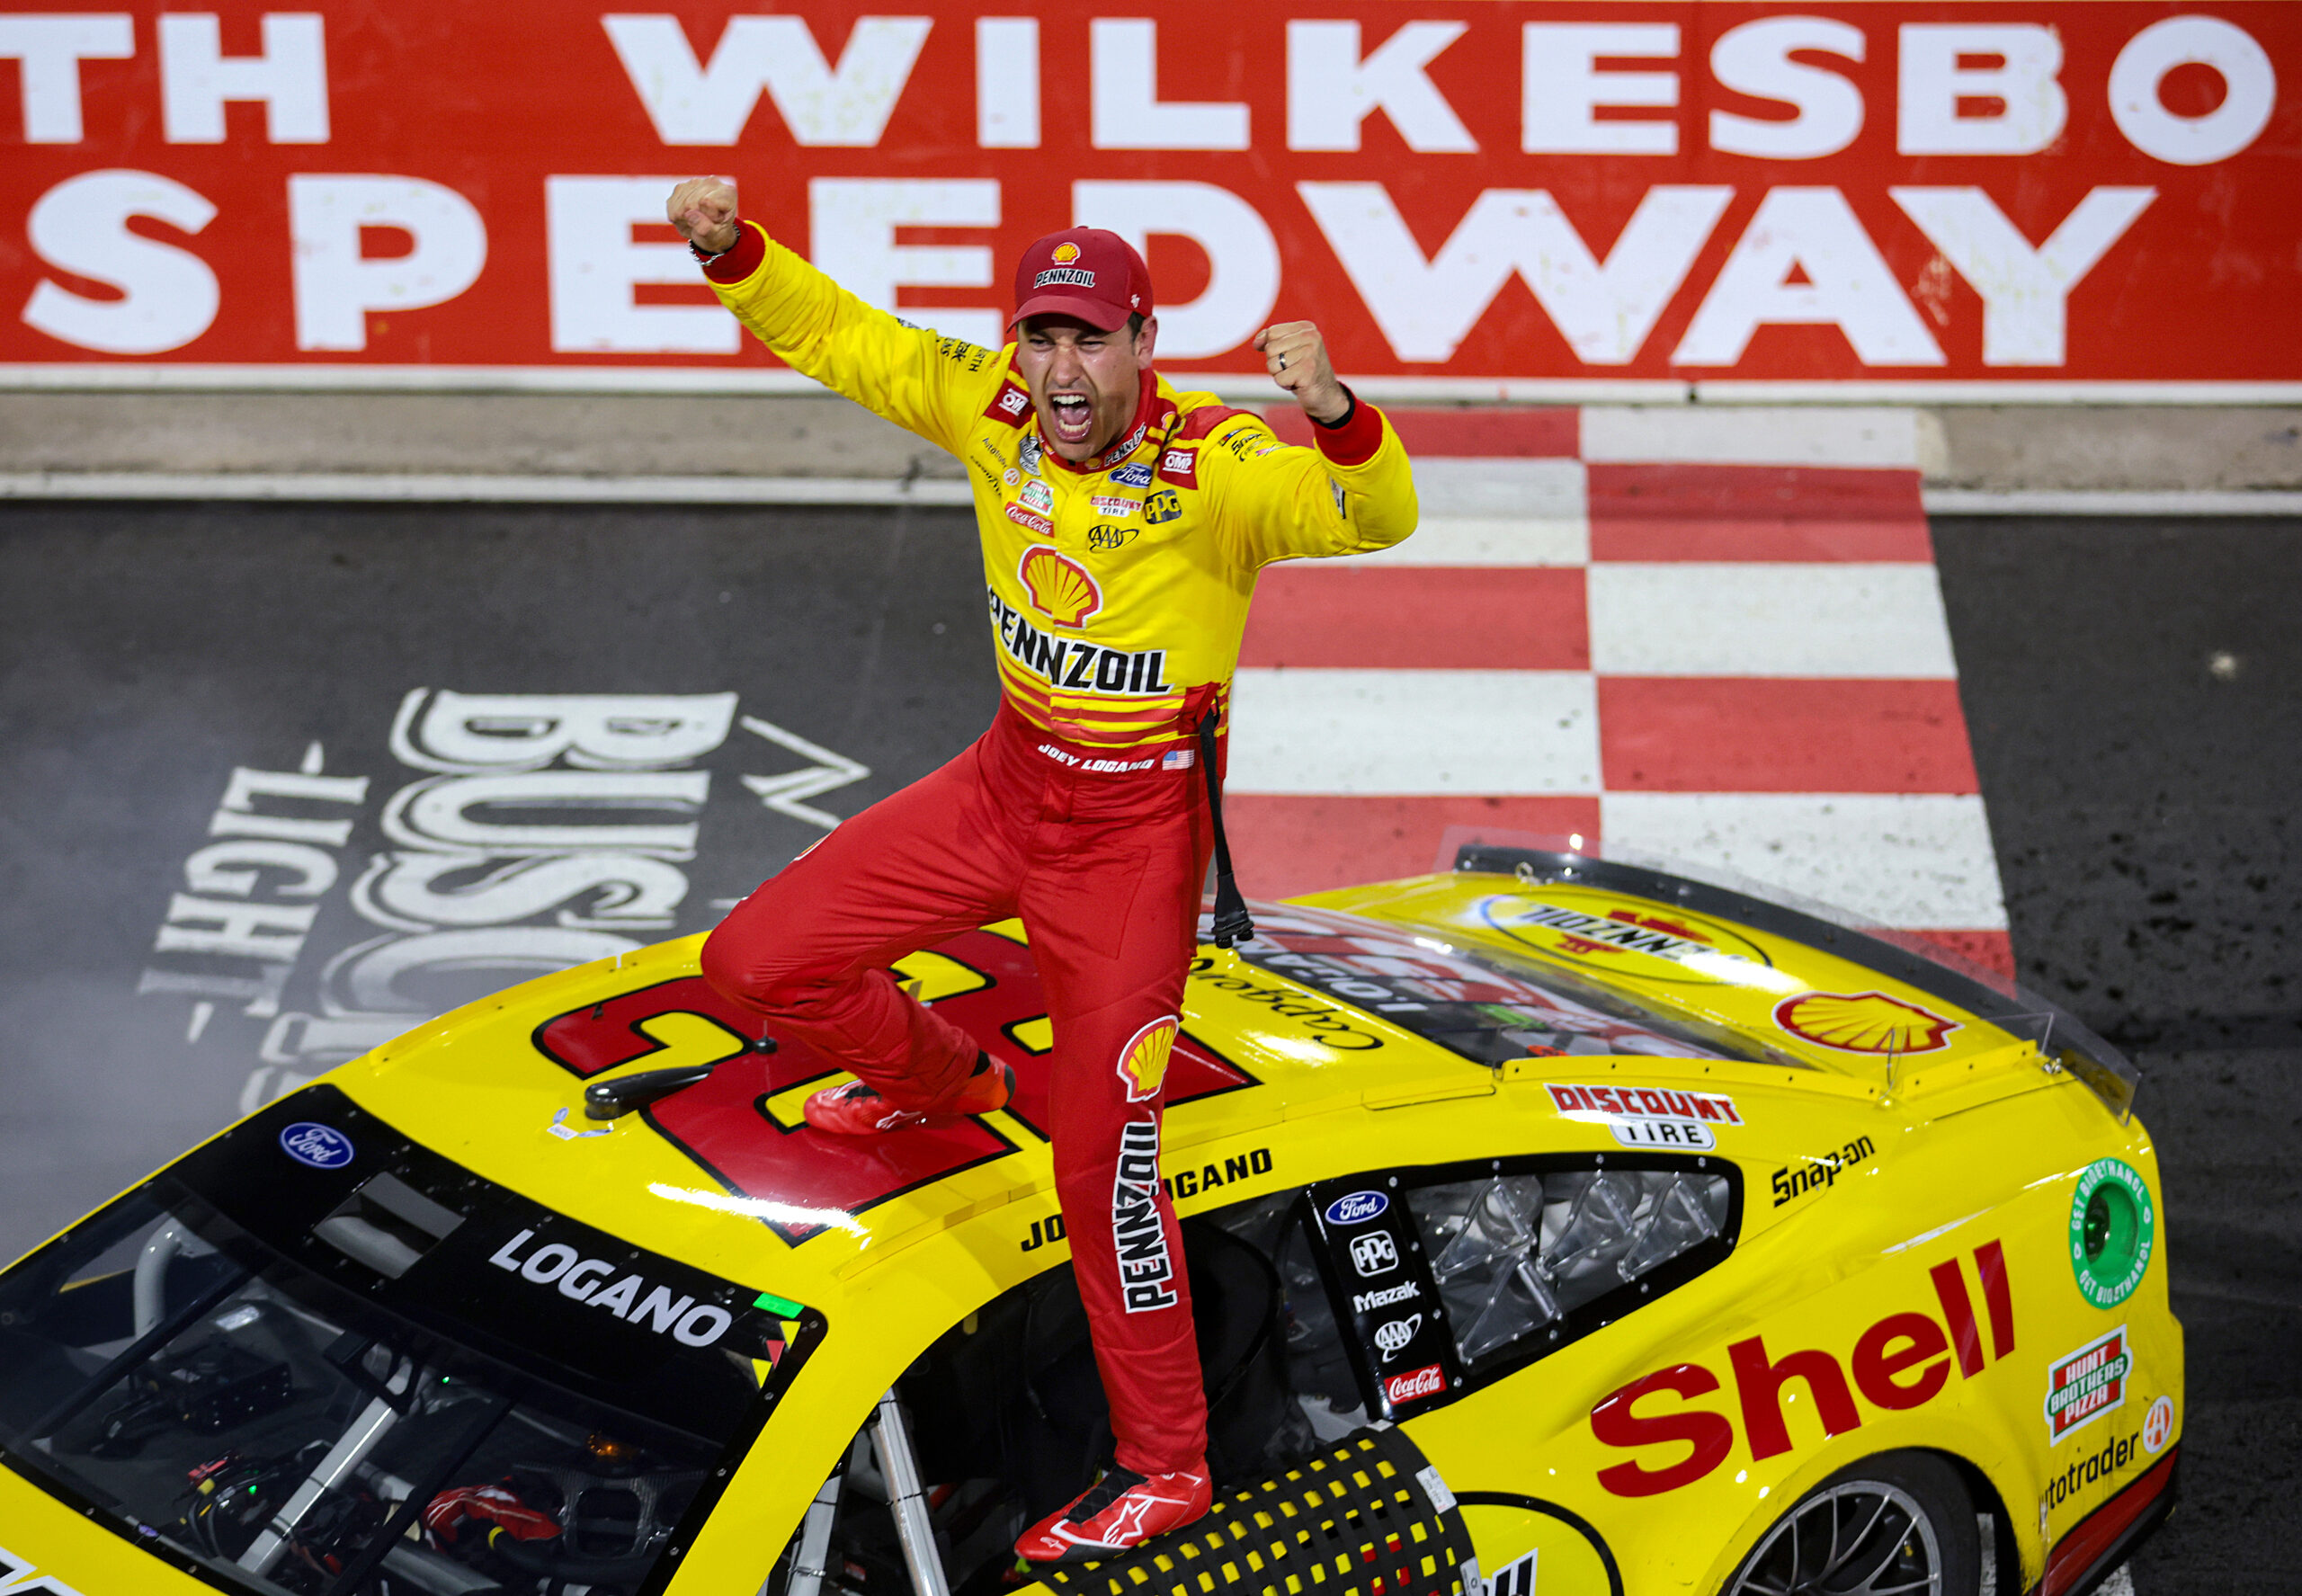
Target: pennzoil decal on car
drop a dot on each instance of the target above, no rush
(2089, 1383)
(1649, 1115)
(1634, 944)
(1864, 1022)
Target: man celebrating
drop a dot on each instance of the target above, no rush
(1123, 525)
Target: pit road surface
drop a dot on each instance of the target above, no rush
(2128, 687)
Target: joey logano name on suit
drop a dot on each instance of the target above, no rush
(1649, 1116)
(630, 1297)
(1902, 1361)
(1077, 666)
(1144, 1267)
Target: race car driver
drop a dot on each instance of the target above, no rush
(1123, 525)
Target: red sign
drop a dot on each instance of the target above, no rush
(2000, 189)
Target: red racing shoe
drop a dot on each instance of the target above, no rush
(858, 1109)
(1118, 1513)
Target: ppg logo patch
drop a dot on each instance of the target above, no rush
(321, 1146)
(1374, 1253)
(1357, 1208)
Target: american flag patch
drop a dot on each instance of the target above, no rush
(1176, 759)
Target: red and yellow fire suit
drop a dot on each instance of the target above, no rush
(1118, 590)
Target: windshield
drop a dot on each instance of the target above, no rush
(316, 1358)
(1474, 1005)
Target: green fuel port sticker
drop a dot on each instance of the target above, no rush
(2113, 1230)
(782, 1307)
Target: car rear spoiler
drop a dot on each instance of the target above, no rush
(2060, 1036)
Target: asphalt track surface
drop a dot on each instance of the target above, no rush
(2129, 687)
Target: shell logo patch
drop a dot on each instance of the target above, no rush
(1065, 254)
(1864, 1022)
(1143, 1062)
(1060, 589)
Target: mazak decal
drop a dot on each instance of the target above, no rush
(1868, 1023)
(2158, 1426)
(602, 1283)
(1402, 1388)
(1143, 1062)
(1060, 587)
(322, 1146)
(1367, 1302)
(1374, 1253)
(2086, 1384)
(1357, 1208)
(1009, 405)
(1136, 474)
(1145, 1268)
(1649, 1116)
(1902, 1361)
(1393, 1336)
(1632, 943)
(2113, 1230)
(1821, 1170)
(2117, 1453)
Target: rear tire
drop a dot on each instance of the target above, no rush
(1900, 1521)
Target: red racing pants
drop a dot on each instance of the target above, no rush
(1104, 867)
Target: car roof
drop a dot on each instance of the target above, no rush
(1312, 1019)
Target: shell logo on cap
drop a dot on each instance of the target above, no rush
(1065, 254)
(1060, 589)
(1864, 1022)
(1143, 1062)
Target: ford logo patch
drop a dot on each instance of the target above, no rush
(322, 1146)
(1357, 1208)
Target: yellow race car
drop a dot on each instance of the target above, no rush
(1557, 1227)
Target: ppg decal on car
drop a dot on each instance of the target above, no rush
(321, 1146)
(1374, 1253)
(1357, 1208)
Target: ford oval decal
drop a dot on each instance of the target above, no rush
(1357, 1208)
(322, 1146)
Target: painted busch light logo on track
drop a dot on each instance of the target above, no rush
(1135, 476)
(322, 1146)
(1357, 1208)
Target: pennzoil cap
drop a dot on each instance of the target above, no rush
(1086, 273)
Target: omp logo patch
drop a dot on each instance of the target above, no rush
(2089, 1383)
(1060, 588)
(1864, 1022)
(1143, 1062)
(1009, 405)
(1180, 467)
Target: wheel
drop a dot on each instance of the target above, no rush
(1899, 1524)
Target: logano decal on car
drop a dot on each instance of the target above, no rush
(2113, 1230)
(320, 1146)
(1870, 1022)
(1357, 1208)
(20, 1576)
(1902, 1361)
(1649, 1116)
(1820, 1170)
(598, 1283)
(2088, 1384)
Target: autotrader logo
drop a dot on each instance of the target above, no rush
(1374, 1253)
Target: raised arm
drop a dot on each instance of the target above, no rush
(1352, 491)
(931, 385)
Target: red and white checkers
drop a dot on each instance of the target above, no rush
(1715, 635)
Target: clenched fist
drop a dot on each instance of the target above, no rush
(1296, 356)
(703, 208)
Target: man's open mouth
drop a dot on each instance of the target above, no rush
(1072, 417)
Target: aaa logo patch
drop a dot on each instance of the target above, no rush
(1143, 1062)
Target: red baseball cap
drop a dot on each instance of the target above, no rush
(1086, 273)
